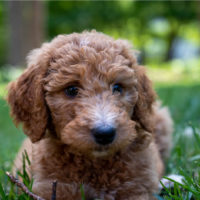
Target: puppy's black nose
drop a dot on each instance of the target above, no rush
(104, 135)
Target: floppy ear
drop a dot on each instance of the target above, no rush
(143, 139)
(26, 98)
(143, 112)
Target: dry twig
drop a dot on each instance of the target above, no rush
(23, 187)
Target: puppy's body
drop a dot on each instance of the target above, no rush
(116, 177)
(91, 114)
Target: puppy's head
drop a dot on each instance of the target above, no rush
(89, 88)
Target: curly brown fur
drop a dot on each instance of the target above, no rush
(63, 146)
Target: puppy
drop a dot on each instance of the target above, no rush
(92, 120)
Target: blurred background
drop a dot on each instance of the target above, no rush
(167, 34)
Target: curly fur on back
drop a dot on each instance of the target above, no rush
(59, 127)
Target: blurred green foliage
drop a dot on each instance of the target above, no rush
(3, 34)
(152, 26)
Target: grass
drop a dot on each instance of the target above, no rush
(11, 192)
(183, 99)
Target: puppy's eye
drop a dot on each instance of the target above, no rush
(71, 91)
(117, 88)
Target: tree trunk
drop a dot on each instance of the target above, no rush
(170, 40)
(26, 27)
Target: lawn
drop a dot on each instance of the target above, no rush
(183, 99)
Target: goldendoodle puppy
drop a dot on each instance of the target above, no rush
(90, 113)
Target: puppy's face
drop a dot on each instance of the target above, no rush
(92, 101)
(90, 90)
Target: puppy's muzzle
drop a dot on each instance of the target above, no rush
(104, 135)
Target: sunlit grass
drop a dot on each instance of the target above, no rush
(3, 90)
(177, 72)
(10, 137)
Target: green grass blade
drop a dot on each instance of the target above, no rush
(82, 192)
(2, 193)
(182, 185)
(27, 158)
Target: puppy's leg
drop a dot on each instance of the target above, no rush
(163, 129)
(141, 197)
(64, 191)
